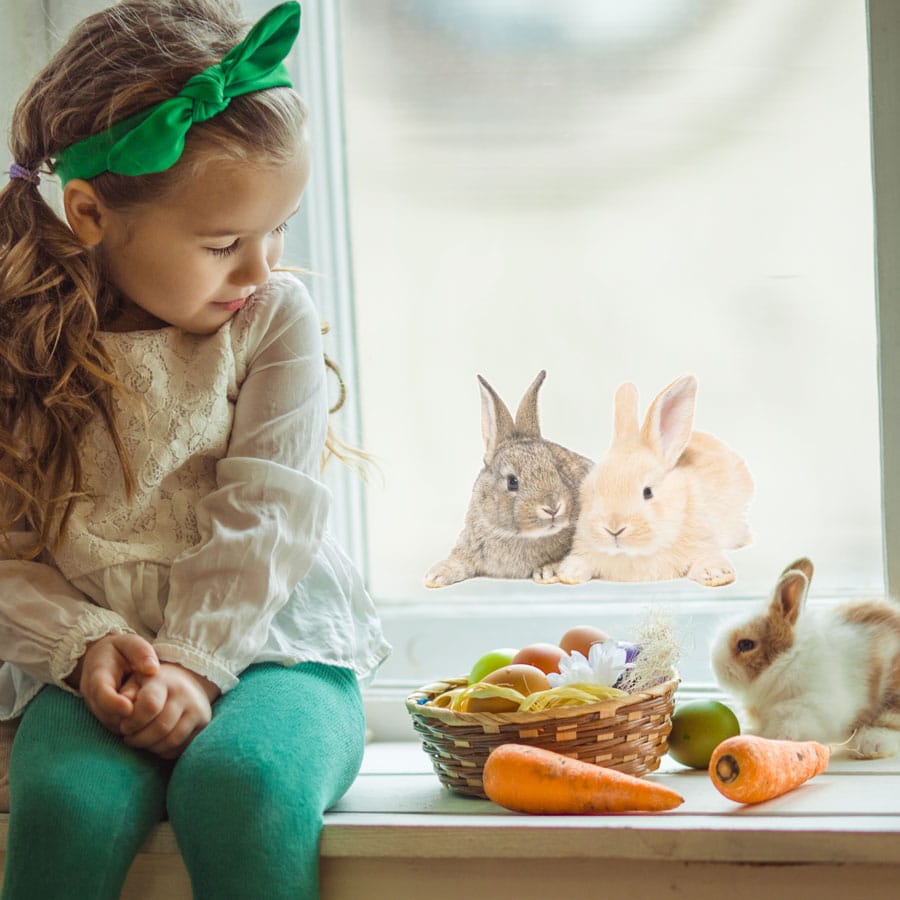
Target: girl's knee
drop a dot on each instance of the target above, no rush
(241, 787)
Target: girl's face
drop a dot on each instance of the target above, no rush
(195, 258)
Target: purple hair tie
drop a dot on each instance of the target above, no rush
(17, 171)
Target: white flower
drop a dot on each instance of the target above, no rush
(604, 665)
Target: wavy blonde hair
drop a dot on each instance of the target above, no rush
(55, 374)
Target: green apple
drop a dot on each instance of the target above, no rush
(697, 729)
(490, 662)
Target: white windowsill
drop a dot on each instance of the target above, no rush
(855, 797)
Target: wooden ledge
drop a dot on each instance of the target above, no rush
(397, 826)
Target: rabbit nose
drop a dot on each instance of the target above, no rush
(615, 534)
(552, 510)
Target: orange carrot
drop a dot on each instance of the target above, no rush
(533, 780)
(750, 769)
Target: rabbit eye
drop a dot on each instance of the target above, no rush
(512, 483)
(745, 645)
(648, 493)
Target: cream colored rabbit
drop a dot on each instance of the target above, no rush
(666, 502)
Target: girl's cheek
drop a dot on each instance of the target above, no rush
(276, 248)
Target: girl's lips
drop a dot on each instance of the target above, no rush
(232, 305)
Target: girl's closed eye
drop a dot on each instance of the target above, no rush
(224, 251)
(227, 251)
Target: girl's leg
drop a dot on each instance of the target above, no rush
(81, 803)
(246, 798)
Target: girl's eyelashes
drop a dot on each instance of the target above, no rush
(227, 251)
(223, 251)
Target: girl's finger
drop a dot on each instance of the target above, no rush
(139, 654)
(176, 742)
(101, 692)
(154, 733)
(151, 701)
(130, 690)
(110, 722)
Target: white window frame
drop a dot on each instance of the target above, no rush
(322, 241)
(884, 68)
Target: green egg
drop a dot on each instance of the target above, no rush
(490, 662)
(698, 728)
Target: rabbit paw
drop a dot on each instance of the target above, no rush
(875, 743)
(545, 574)
(447, 572)
(573, 570)
(712, 573)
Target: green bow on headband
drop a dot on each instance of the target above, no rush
(153, 140)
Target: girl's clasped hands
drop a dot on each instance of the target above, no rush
(155, 706)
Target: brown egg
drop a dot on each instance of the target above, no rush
(524, 679)
(581, 637)
(545, 657)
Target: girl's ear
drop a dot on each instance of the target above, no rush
(86, 215)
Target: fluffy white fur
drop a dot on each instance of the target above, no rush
(827, 673)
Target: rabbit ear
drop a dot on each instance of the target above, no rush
(625, 416)
(790, 592)
(527, 420)
(496, 422)
(667, 427)
(801, 565)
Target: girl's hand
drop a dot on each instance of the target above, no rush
(105, 666)
(170, 709)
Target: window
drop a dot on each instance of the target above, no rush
(611, 192)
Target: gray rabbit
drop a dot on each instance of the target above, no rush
(524, 504)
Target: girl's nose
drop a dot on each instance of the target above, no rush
(252, 268)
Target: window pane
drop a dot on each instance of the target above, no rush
(616, 192)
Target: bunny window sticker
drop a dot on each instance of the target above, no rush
(665, 502)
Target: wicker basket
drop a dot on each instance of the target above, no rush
(628, 734)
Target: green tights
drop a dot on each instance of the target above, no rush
(245, 799)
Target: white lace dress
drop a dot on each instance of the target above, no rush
(222, 558)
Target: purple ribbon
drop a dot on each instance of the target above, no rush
(17, 171)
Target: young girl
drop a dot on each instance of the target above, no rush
(180, 634)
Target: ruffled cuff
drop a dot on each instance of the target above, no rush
(93, 624)
(185, 654)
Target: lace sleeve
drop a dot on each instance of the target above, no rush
(46, 623)
(262, 525)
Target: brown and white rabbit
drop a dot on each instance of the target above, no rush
(819, 673)
(666, 502)
(524, 501)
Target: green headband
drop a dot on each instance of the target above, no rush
(153, 140)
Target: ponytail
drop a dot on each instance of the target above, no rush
(54, 373)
